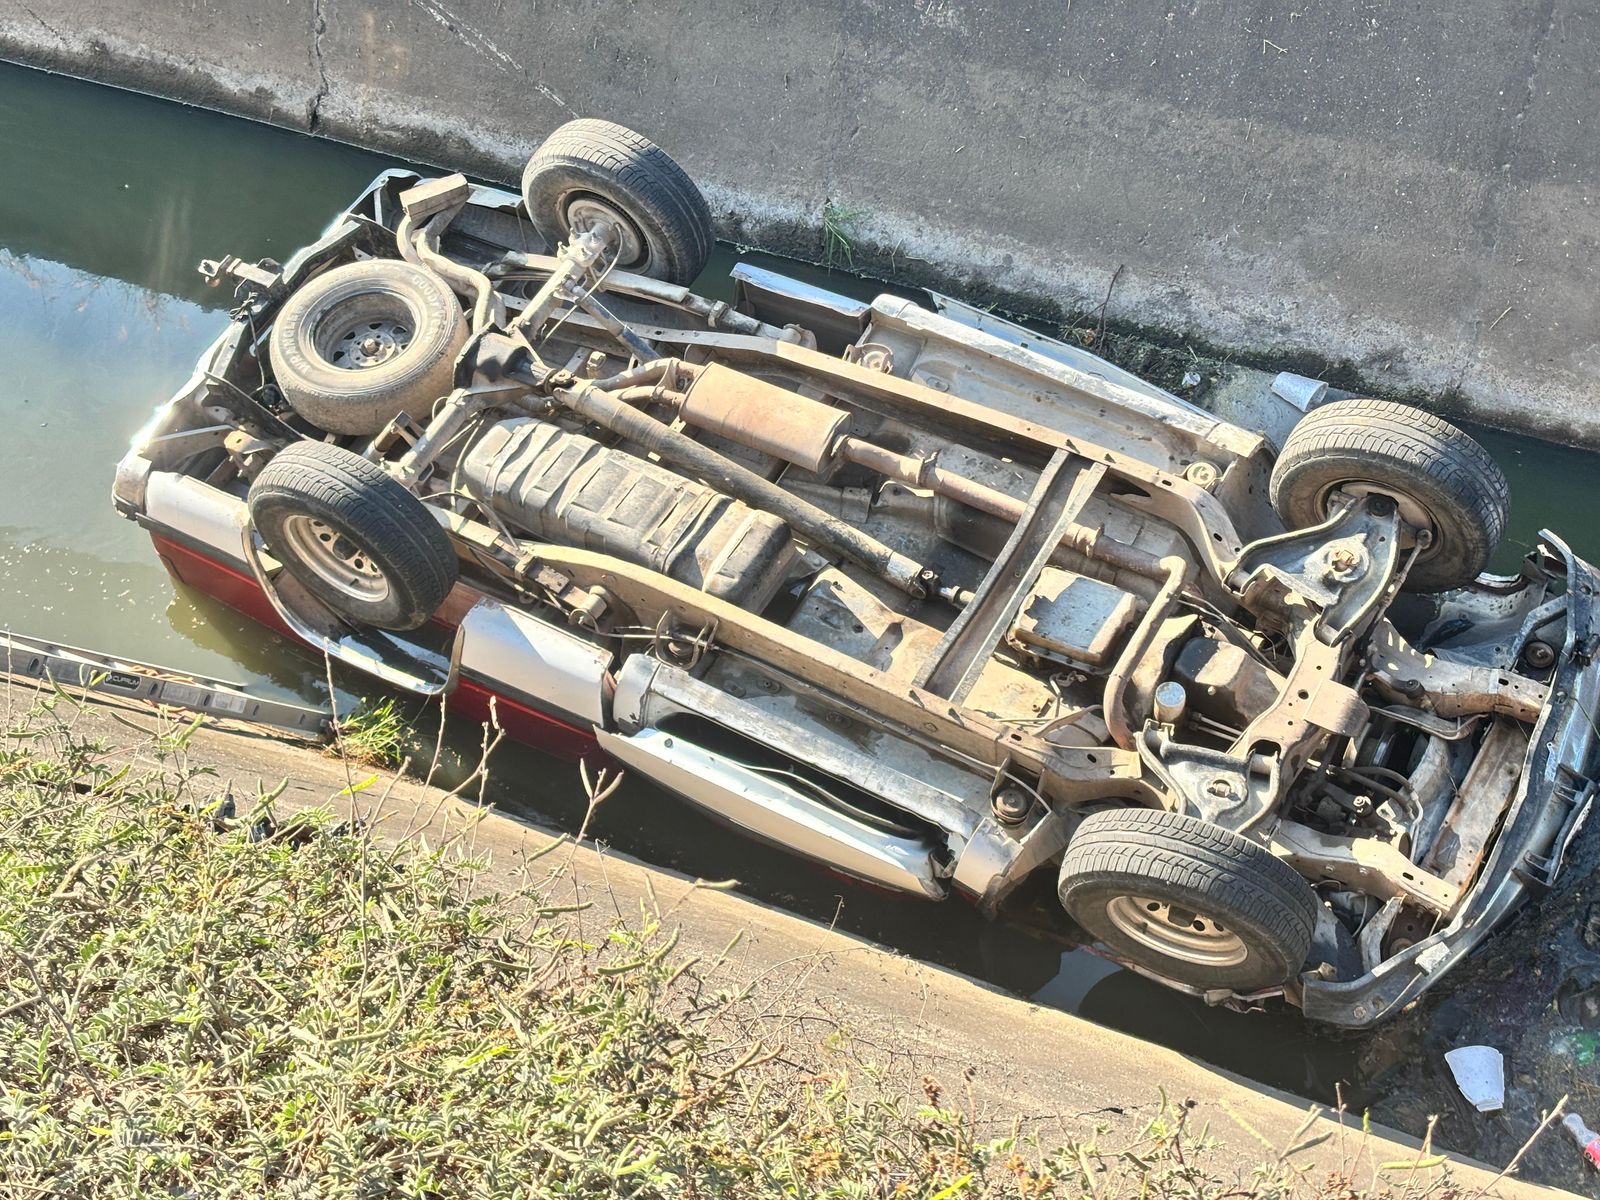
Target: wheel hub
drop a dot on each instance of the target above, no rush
(337, 561)
(368, 343)
(1412, 511)
(1177, 932)
(586, 212)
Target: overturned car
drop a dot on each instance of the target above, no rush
(941, 604)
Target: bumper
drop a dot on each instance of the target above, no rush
(540, 684)
(1557, 789)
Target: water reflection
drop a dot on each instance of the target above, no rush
(124, 187)
(103, 317)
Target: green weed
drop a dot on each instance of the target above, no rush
(196, 1000)
(838, 238)
(375, 735)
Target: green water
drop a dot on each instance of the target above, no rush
(109, 202)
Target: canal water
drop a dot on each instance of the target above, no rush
(110, 201)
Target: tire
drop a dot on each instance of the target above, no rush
(1251, 916)
(353, 535)
(1438, 473)
(334, 378)
(587, 169)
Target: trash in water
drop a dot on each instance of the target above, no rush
(1191, 379)
(1587, 1138)
(1480, 1073)
(1583, 1047)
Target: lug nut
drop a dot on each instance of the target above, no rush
(1344, 564)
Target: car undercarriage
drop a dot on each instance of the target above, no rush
(944, 605)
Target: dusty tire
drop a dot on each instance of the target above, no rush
(366, 341)
(589, 169)
(1188, 900)
(353, 535)
(1433, 469)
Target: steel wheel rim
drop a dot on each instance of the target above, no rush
(368, 344)
(337, 561)
(1176, 932)
(365, 331)
(585, 212)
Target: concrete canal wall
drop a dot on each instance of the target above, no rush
(1401, 199)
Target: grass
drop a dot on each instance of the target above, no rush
(375, 735)
(838, 236)
(199, 997)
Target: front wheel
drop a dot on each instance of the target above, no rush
(1442, 480)
(353, 536)
(1187, 899)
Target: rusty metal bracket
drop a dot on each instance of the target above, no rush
(264, 275)
(1230, 790)
(1446, 686)
(1343, 566)
(1365, 864)
(676, 644)
(964, 651)
(1480, 802)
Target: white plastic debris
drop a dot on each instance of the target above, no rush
(1588, 1140)
(1480, 1073)
(1301, 391)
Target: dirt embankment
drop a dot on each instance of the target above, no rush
(780, 1044)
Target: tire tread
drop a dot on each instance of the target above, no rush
(1413, 444)
(417, 555)
(362, 402)
(644, 169)
(1198, 857)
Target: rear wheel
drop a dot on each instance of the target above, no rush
(1442, 480)
(590, 171)
(1187, 899)
(353, 536)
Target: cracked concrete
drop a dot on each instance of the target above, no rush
(319, 26)
(1403, 201)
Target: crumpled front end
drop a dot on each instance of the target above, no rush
(1552, 799)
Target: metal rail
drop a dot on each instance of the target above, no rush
(69, 666)
(1058, 498)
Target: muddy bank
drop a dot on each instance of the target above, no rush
(1399, 200)
(1533, 992)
